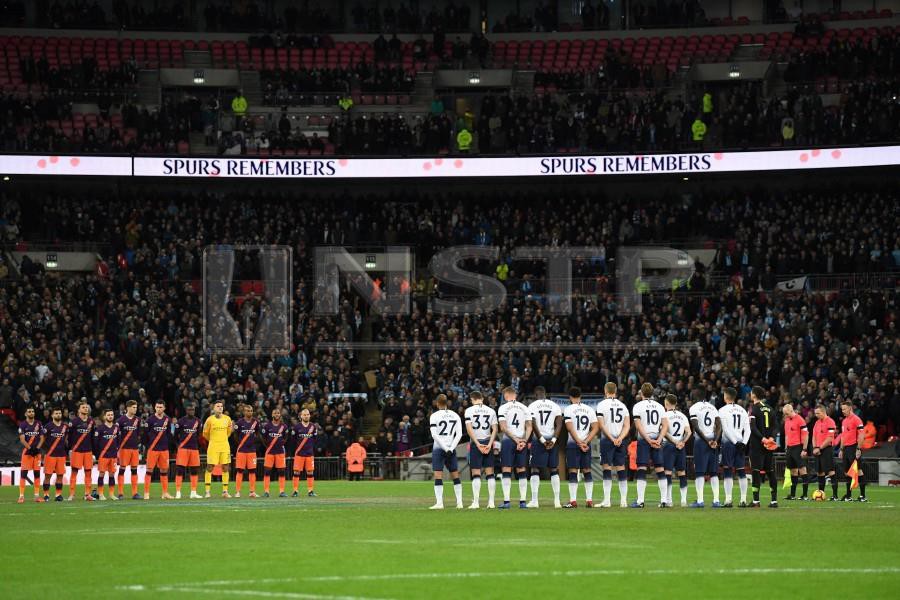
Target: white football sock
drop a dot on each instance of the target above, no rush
(641, 489)
(476, 489)
(535, 487)
(742, 484)
(439, 494)
(698, 484)
(729, 486)
(683, 490)
(663, 489)
(714, 484)
(607, 491)
(523, 489)
(589, 490)
(492, 488)
(554, 485)
(506, 484)
(623, 489)
(457, 489)
(573, 491)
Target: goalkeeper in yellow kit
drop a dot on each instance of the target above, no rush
(216, 431)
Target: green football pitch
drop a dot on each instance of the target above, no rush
(370, 540)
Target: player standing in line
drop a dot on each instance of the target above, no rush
(216, 431)
(763, 427)
(246, 429)
(31, 438)
(187, 457)
(81, 451)
(481, 425)
(852, 437)
(674, 452)
(446, 430)
(304, 461)
(156, 445)
(129, 453)
(615, 424)
(56, 436)
(796, 436)
(651, 425)
(106, 446)
(515, 423)
(546, 417)
(274, 459)
(823, 441)
(707, 431)
(735, 434)
(581, 423)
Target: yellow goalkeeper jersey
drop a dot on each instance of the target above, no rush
(217, 430)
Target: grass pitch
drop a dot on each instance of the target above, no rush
(369, 540)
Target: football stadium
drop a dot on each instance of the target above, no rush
(383, 299)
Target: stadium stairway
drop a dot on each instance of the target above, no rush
(149, 88)
(198, 144)
(197, 59)
(371, 424)
(424, 90)
(251, 86)
(523, 82)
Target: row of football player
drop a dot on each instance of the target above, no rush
(115, 444)
(728, 435)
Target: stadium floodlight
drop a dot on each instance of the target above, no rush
(474, 78)
(735, 72)
(199, 77)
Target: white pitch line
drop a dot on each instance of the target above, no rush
(239, 581)
(506, 542)
(138, 531)
(259, 593)
(601, 572)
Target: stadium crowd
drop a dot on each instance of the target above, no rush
(854, 60)
(301, 86)
(47, 124)
(741, 117)
(132, 330)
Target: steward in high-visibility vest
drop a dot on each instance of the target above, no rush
(463, 140)
(239, 105)
(698, 130)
